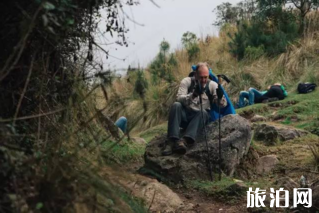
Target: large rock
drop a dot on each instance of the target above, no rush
(266, 164)
(271, 133)
(157, 197)
(137, 140)
(315, 195)
(258, 118)
(235, 140)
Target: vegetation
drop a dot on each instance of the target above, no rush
(57, 103)
(221, 190)
(162, 67)
(190, 43)
(52, 135)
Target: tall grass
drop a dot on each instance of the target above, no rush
(297, 64)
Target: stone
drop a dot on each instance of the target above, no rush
(315, 195)
(287, 183)
(235, 189)
(235, 140)
(137, 140)
(271, 133)
(157, 196)
(247, 168)
(266, 164)
(258, 118)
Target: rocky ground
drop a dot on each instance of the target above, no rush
(268, 145)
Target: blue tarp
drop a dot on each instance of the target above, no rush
(229, 109)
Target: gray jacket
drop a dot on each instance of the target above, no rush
(193, 103)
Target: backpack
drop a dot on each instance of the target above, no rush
(306, 87)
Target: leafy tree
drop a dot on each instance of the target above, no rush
(238, 42)
(164, 47)
(190, 43)
(141, 84)
(162, 65)
(227, 13)
(272, 28)
(304, 7)
(188, 39)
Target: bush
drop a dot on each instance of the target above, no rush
(253, 53)
(141, 84)
(269, 32)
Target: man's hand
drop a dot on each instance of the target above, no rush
(223, 101)
(197, 91)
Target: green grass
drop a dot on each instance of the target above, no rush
(123, 152)
(149, 134)
(219, 189)
(298, 110)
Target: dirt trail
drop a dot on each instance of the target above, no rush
(160, 198)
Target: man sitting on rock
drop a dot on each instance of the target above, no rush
(186, 112)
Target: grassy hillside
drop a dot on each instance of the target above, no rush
(298, 64)
(297, 110)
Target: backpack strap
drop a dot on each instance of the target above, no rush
(208, 93)
(192, 86)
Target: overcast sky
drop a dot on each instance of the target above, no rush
(169, 22)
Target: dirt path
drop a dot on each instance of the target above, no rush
(161, 198)
(204, 203)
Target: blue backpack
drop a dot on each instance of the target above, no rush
(229, 109)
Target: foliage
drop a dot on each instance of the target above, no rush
(222, 190)
(188, 39)
(303, 7)
(254, 53)
(190, 43)
(228, 14)
(48, 119)
(162, 66)
(272, 29)
(141, 84)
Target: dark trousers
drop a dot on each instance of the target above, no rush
(190, 120)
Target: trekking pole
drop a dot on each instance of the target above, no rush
(207, 149)
(220, 94)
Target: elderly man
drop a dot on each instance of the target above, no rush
(186, 112)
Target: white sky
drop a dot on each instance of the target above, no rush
(169, 22)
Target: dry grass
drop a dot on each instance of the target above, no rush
(297, 64)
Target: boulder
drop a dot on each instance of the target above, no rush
(235, 140)
(156, 196)
(315, 195)
(287, 183)
(271, 133)
(266, 164)
(236, 189)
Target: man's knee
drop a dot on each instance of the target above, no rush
(122, 123)
(243, 94)
(177, 105)
(205, 114)
(123, 119)
(251, 89)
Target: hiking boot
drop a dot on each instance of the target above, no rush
(189, 142)
(180, 147)
(168, 150)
